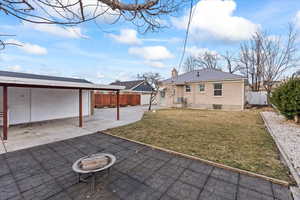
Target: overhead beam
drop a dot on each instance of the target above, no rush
(118, 105)
(80, 108)
(5, 113)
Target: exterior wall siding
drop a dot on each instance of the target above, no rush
(232, 95)
(28, 105)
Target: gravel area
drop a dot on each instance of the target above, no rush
(286, 135)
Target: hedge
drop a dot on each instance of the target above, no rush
(286, 98)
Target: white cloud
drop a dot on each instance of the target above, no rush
(298, 19)
(29, 48)
(151, 52)
(169, 40)
(127, 36)
(196, 51)
(67, 32)
(100, 75)
(156, 64)
(215, 19)
(14, 68)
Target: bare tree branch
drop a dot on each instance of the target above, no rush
(208, 60)
(232, 64)
(144, 14)
(4, 43)
(190, 64)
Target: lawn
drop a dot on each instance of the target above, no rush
(237, 139)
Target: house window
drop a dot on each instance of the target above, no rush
(218, 89)
(163, 93)
(201, 87)
(187, 88)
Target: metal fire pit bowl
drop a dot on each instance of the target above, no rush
(77, 169)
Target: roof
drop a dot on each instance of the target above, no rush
(15, 79)
(41, 77)
(144, 87)
(203, 75)
(128, 84)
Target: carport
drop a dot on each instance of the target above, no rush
(10, 80)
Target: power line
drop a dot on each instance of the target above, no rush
(186, 35)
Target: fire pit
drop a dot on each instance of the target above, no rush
(92, 164)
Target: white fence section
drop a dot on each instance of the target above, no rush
(257, 98)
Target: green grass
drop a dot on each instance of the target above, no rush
(237, 139)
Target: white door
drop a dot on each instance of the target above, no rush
(19, 105)
(145, 99)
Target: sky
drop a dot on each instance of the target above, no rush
(103, 53)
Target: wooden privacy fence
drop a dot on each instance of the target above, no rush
(110, 100)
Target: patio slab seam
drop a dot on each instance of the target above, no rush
(273, 180)
(123, 184)
(54, 179)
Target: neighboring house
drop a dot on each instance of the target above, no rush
(141, 87)
(205, 89)
(33, 98)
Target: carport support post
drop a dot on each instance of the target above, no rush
(80, 108)
(5, 113)
(118, 105)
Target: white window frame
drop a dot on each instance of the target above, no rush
(199, 87)
(190, 88)
(218, 90)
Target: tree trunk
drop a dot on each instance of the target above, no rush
(150, 103)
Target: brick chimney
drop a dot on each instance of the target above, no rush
(174, 73)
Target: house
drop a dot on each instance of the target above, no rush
(27, 98)
(205, 89)
(141, 87)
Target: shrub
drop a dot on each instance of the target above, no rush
(286, 98)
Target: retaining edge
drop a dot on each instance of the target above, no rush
(241, 171)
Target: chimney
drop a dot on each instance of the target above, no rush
(174, 73)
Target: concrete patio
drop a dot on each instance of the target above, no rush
(29, 135)
(141, 173)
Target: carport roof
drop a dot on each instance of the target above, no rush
(15, 79)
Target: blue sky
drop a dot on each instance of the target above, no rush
(119, 52)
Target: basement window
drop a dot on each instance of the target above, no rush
(218, 89)
(217, 106)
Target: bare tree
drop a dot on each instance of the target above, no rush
(231, 63)
(190, 64)
(252, 59)
(208, 60)
(266, 58)
(281, 55)
(153, 79)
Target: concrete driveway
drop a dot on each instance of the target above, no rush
(29, 135)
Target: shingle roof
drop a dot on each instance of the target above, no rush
(41, 77)
(128, 84)
(203, 75)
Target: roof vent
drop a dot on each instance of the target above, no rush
(198, 73)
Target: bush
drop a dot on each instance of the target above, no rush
(286, 98)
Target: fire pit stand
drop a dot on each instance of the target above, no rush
(92, 172)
